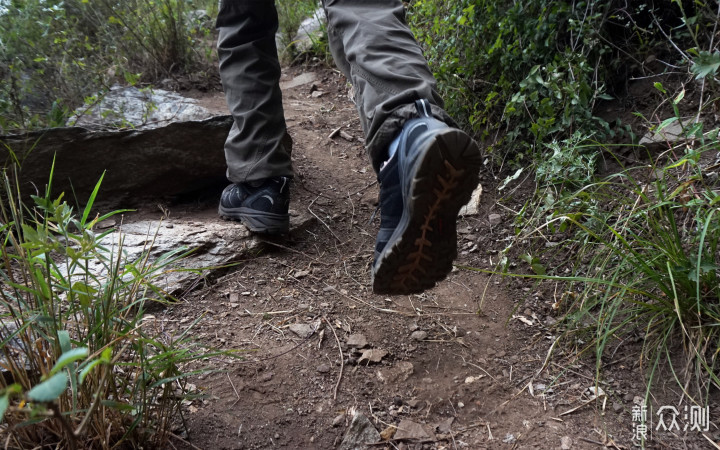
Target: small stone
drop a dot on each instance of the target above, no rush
(303, 330)
(323, 368)
(357, 341)
(628, 397)
(617, 407)
(419, 335)
(566, 443)
(495, 219)
(317, 94)
(550, 321)
(413, 403)
(264, 378)
(301, 274)
(338, 420)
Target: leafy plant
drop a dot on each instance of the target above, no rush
(88, 367)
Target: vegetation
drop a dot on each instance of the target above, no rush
(83, 366)
(529, 79)
(56, 55)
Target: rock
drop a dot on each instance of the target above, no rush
(566, 443)
(360, 433)
(413, 430)
(264, 378)
(300, 80)
(495, 219)
(399, 373)
(617, 407)
(139, 109)
(669, 136)
(323, 368)
(317, 94)
(310, 30)
(303, 330)
(445, 426)
(472, 206)
(338, 420)
(419, 335)
(176, 159)
(216, 245)
(373, 355)
(357, 341)
(301, 274)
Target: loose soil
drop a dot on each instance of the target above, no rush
(468, 360)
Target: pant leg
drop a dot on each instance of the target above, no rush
(258, 145)
(374, 47)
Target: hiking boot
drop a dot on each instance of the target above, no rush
(422, 188)
(261, 206)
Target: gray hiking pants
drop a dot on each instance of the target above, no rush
(370, 42)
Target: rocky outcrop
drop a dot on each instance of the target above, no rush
(178, 158)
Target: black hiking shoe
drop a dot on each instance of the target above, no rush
(422, 188)
(261, 206)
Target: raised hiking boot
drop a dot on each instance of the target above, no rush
(261, 206)
(422, 188)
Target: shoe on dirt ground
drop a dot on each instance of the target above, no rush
(422, 188)
(261, 206)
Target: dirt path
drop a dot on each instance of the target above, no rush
(447, 376)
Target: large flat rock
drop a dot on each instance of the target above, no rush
(139, 164)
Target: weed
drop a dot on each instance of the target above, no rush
(82, 363)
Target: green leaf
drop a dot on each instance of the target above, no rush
(50, 389)
(706, 64)
(680, 96)
(4, 403)
(69, 357)
(91, 200)
(64, 340)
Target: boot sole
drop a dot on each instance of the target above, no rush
(421, 250)
(257, 221)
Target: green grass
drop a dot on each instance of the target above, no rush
(89, 368)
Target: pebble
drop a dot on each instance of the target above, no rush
(266, 377)
(495, 219)
(419, 335)
(628, 397)
(357, 341)
(566, 443)
(323, 368)
(617, 407)
(338, 420)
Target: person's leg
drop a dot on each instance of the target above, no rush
(258, 147)
(427, 168)
(373, 46)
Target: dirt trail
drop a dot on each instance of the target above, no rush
(447, 376)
